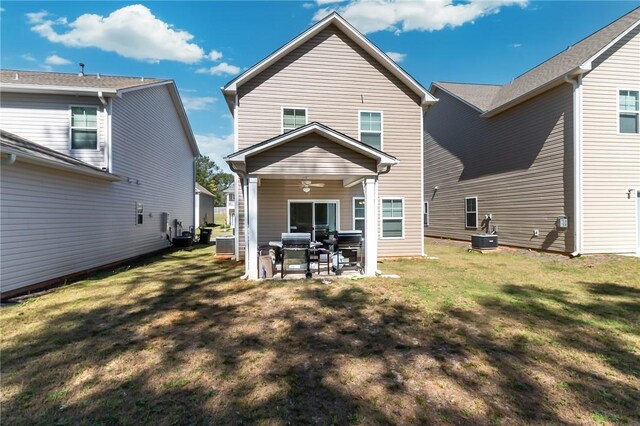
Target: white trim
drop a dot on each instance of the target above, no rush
(353, 211)
(636, 112)
(48, 89)
(306, 117)
(383, 159)
(144, 86)
(313, 212)
(360, 111)
(370, 189)
(637, 222)
(251, 254)
(353, 34)
(588, 63)
(423, 231)
(108, 150)
(71, 128)
(382, 218)
(474, 197)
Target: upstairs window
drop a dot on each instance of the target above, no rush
(629, 107)
(84, 127)
(471, 212)
(292, 118)
(371, 128)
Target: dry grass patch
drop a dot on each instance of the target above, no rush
(510, 338)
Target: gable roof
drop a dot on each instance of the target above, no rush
(230, 89)
(477, 96)
(203, 190)
(35, 153)
(17, 81)
(575, 60)
(383, 159)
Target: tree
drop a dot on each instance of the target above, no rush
(209, 175)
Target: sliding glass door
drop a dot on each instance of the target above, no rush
(319, 218)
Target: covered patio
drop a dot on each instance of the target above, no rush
(313, 180)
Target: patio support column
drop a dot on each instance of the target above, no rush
(251, 255)
(371, 226)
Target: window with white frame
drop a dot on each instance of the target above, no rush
(629, 107)
(139, 213)
(358, 214)
(292, 118)
(392, 218)
(425, 213)
(471, 212)
(371, 128)
(84, 127)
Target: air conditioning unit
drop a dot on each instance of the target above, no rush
(484, 241)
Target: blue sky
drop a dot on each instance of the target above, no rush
(202, 45)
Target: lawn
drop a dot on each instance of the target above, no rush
(508, 338)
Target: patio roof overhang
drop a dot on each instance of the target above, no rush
(238, 160)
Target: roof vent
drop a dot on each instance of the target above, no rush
(81, 73)
(141, 78)
(17, 77)
(98, 76)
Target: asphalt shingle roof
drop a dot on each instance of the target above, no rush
(37, 78)
(552, 69)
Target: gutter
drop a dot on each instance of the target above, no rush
(577, 162)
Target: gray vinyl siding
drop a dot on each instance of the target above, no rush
(518, 164)
(611, 163)
(311, 155)
(55, 223)
(45, 119)
(334, 79)
(206, 209)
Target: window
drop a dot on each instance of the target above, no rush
(629, 107)
(232, 197)
(139, 213)
(471, 212)
(371, 128)
(425, 219)
(358, 214)
(84, 127)
(392, 218)
(292, 118)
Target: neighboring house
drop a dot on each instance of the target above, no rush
(231, 205)
(95, 170)
(328, 134)
(205, 202)
(560, 141)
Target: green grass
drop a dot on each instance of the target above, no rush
(507, 338)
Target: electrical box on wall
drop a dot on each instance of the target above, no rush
(562, 222)
(164, 222)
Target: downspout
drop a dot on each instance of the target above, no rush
(577, 162)
(105, 104)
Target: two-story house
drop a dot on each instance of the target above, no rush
(230, 205)
(552, 159)
(95, 170)
(328, 132)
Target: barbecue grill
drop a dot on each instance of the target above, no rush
(296, 243)
(347, 246)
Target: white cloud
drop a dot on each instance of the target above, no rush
(2, 9)
(216, 147)
(397, 57)
(28, 57)
(307, 5)
(194, 103)
(425, 15)
(56, 60)
(321, 2)
(214, 55)
(516, 45)
(132, 31)
(220, 69)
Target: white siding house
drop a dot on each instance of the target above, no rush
(205, 204)
(94, 171)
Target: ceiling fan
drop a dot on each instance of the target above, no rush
(306, 185)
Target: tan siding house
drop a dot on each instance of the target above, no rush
(330, 75)
(546, 146)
